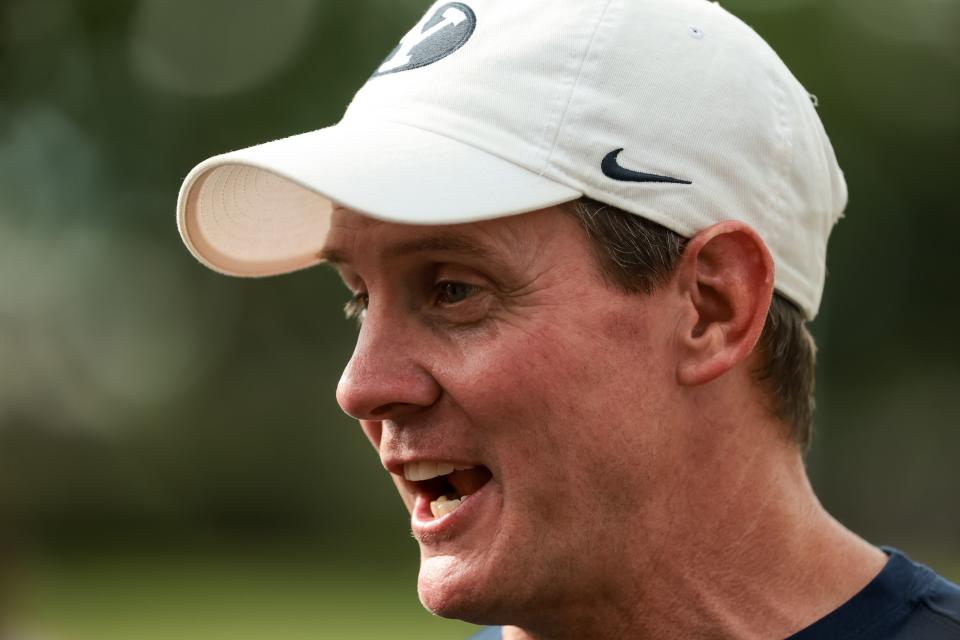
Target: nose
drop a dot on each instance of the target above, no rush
(385, 377)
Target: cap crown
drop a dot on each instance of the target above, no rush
(711, 123)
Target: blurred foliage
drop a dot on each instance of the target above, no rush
(144, 399)
(245, 595)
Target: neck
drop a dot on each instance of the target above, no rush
(743, 549)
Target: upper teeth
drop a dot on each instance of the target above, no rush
(416, 471)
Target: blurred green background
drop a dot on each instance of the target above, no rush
(172, 459)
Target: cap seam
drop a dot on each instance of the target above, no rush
(786, 149)
(573, 88)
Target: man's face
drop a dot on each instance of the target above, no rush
(498, 346)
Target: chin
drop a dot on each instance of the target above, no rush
(450, 589)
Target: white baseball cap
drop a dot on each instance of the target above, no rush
(673, 110)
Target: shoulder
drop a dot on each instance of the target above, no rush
(935, 614)
(940, 608)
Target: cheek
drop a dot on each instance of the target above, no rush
(564, 401)
(523, 378)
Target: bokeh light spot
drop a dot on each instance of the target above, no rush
(215, 47)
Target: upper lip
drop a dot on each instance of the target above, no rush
(395, 464)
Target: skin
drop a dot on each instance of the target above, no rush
(641, 487)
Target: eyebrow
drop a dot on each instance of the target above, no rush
(445, 243)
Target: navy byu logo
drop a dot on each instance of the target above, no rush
(435, 37)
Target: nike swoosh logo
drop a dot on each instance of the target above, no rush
(612, 169)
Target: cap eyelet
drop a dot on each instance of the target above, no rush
(696, 32)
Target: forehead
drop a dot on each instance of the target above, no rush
(354, 237)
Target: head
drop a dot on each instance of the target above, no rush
(565, 253)
(588, 412)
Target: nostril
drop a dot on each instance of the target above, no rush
(383, 410)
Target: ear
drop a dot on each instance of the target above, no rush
(725, 277)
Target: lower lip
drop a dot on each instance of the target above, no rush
(427, 529)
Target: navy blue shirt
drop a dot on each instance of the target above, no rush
(906, 601)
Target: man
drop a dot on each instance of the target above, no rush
(582, 239)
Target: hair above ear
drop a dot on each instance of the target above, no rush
(726, 276)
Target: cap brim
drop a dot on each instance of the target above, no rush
(266, 209)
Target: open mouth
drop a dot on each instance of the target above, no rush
(443, 485)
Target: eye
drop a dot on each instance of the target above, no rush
(454, 292)
(356, 307)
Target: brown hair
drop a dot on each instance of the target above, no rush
(637, 256)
